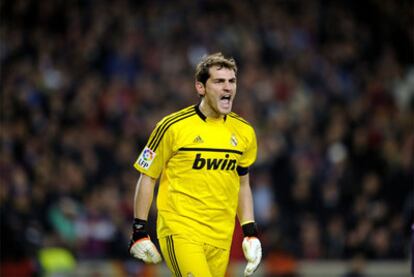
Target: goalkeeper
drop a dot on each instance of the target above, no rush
(202, 156)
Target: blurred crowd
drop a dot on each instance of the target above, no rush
(328, 86)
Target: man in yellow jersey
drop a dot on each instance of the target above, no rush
(202, 156)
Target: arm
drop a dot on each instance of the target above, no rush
(245, 207)
(144, 193)
(252, 248)
(140, 245)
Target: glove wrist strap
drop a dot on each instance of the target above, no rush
(250, 229)
(139, 229)
(139, 224)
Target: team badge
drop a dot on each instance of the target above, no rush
(233, 140)
(146, 158)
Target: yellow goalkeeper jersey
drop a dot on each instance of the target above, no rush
(199, 160)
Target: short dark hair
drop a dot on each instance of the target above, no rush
(202, 72)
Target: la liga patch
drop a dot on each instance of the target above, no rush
(146, 158)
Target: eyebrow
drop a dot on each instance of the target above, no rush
(224, 79)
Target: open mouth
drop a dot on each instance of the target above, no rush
(225, 98)
(225, 101)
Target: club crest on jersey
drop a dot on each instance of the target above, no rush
(146, 158)
(233, 140)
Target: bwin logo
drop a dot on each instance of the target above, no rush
(214, 164)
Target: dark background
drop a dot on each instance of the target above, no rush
(328, 86)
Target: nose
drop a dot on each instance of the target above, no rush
(227, 86)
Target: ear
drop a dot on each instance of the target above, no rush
(201, 90)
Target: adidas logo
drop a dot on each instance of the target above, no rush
(198, 139)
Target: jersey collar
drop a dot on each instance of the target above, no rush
(202, 116)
